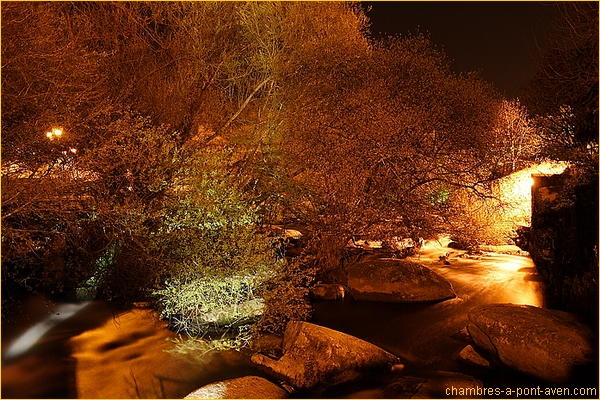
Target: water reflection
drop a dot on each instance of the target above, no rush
(488, 277)
(99, 354)
(495, 278)
(28, 339)
(428, 336)
(126, 357)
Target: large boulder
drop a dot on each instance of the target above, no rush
(547, 344)
(246, 387)
(316, 358)
(400, 281)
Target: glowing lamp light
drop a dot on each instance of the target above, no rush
(54, 133)
(523, 187)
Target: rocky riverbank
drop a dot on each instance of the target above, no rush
(536, 345)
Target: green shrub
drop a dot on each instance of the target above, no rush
(215, 257)
(211, 304)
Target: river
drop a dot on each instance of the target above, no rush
(101, 353)
(88, 350)
(428, 337)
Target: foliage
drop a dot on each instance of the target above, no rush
(215, 254)
(516, 140)
(379, 136)
(186, 125)
(563, 95)
(481, 219)
(286, 297)
(211, 304)
(114, 177)
(563, 99)
(86, 213)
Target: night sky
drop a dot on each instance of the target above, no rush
(498, 39)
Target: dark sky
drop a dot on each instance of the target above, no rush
(496, 38)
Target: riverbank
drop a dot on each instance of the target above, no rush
(101, 353)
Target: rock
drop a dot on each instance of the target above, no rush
(546, 344)
(324, 291)
(463, 334)
(436, 385)
(403, 388)
(316, 358)
(267, 343)
(246, 387)
(393, 280)
(471, 356)
(457, 245)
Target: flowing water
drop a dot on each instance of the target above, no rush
(87, 350)
(428, 337)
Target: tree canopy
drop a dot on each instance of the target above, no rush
(563, 95)
(185, 128)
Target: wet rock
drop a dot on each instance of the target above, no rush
(435, 385)
(463, 334)
(267, 343)
(316, 358)
(404, 388)
(324, 291)
(246, 387)
(547, 344)
(400, 281)
(470, 356)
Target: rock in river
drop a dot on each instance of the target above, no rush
(400, 281)
(547, 344)
(324, 291)
(470, 356)
(246, 387)
(316, 358)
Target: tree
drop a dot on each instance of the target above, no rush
(184, 125)
(128, 86)
(383, 138)
(563, 98)
(145, 95)
(563, 95)
(516, 139)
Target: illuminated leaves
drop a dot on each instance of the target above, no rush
(385, 139)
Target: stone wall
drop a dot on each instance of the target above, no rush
(563, 240)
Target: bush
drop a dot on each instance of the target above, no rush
(215, 258)
(212, 304)
(286, 298)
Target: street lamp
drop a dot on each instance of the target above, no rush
(54, 133)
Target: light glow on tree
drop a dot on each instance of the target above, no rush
(55, 133)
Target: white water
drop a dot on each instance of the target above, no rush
(28, 339)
